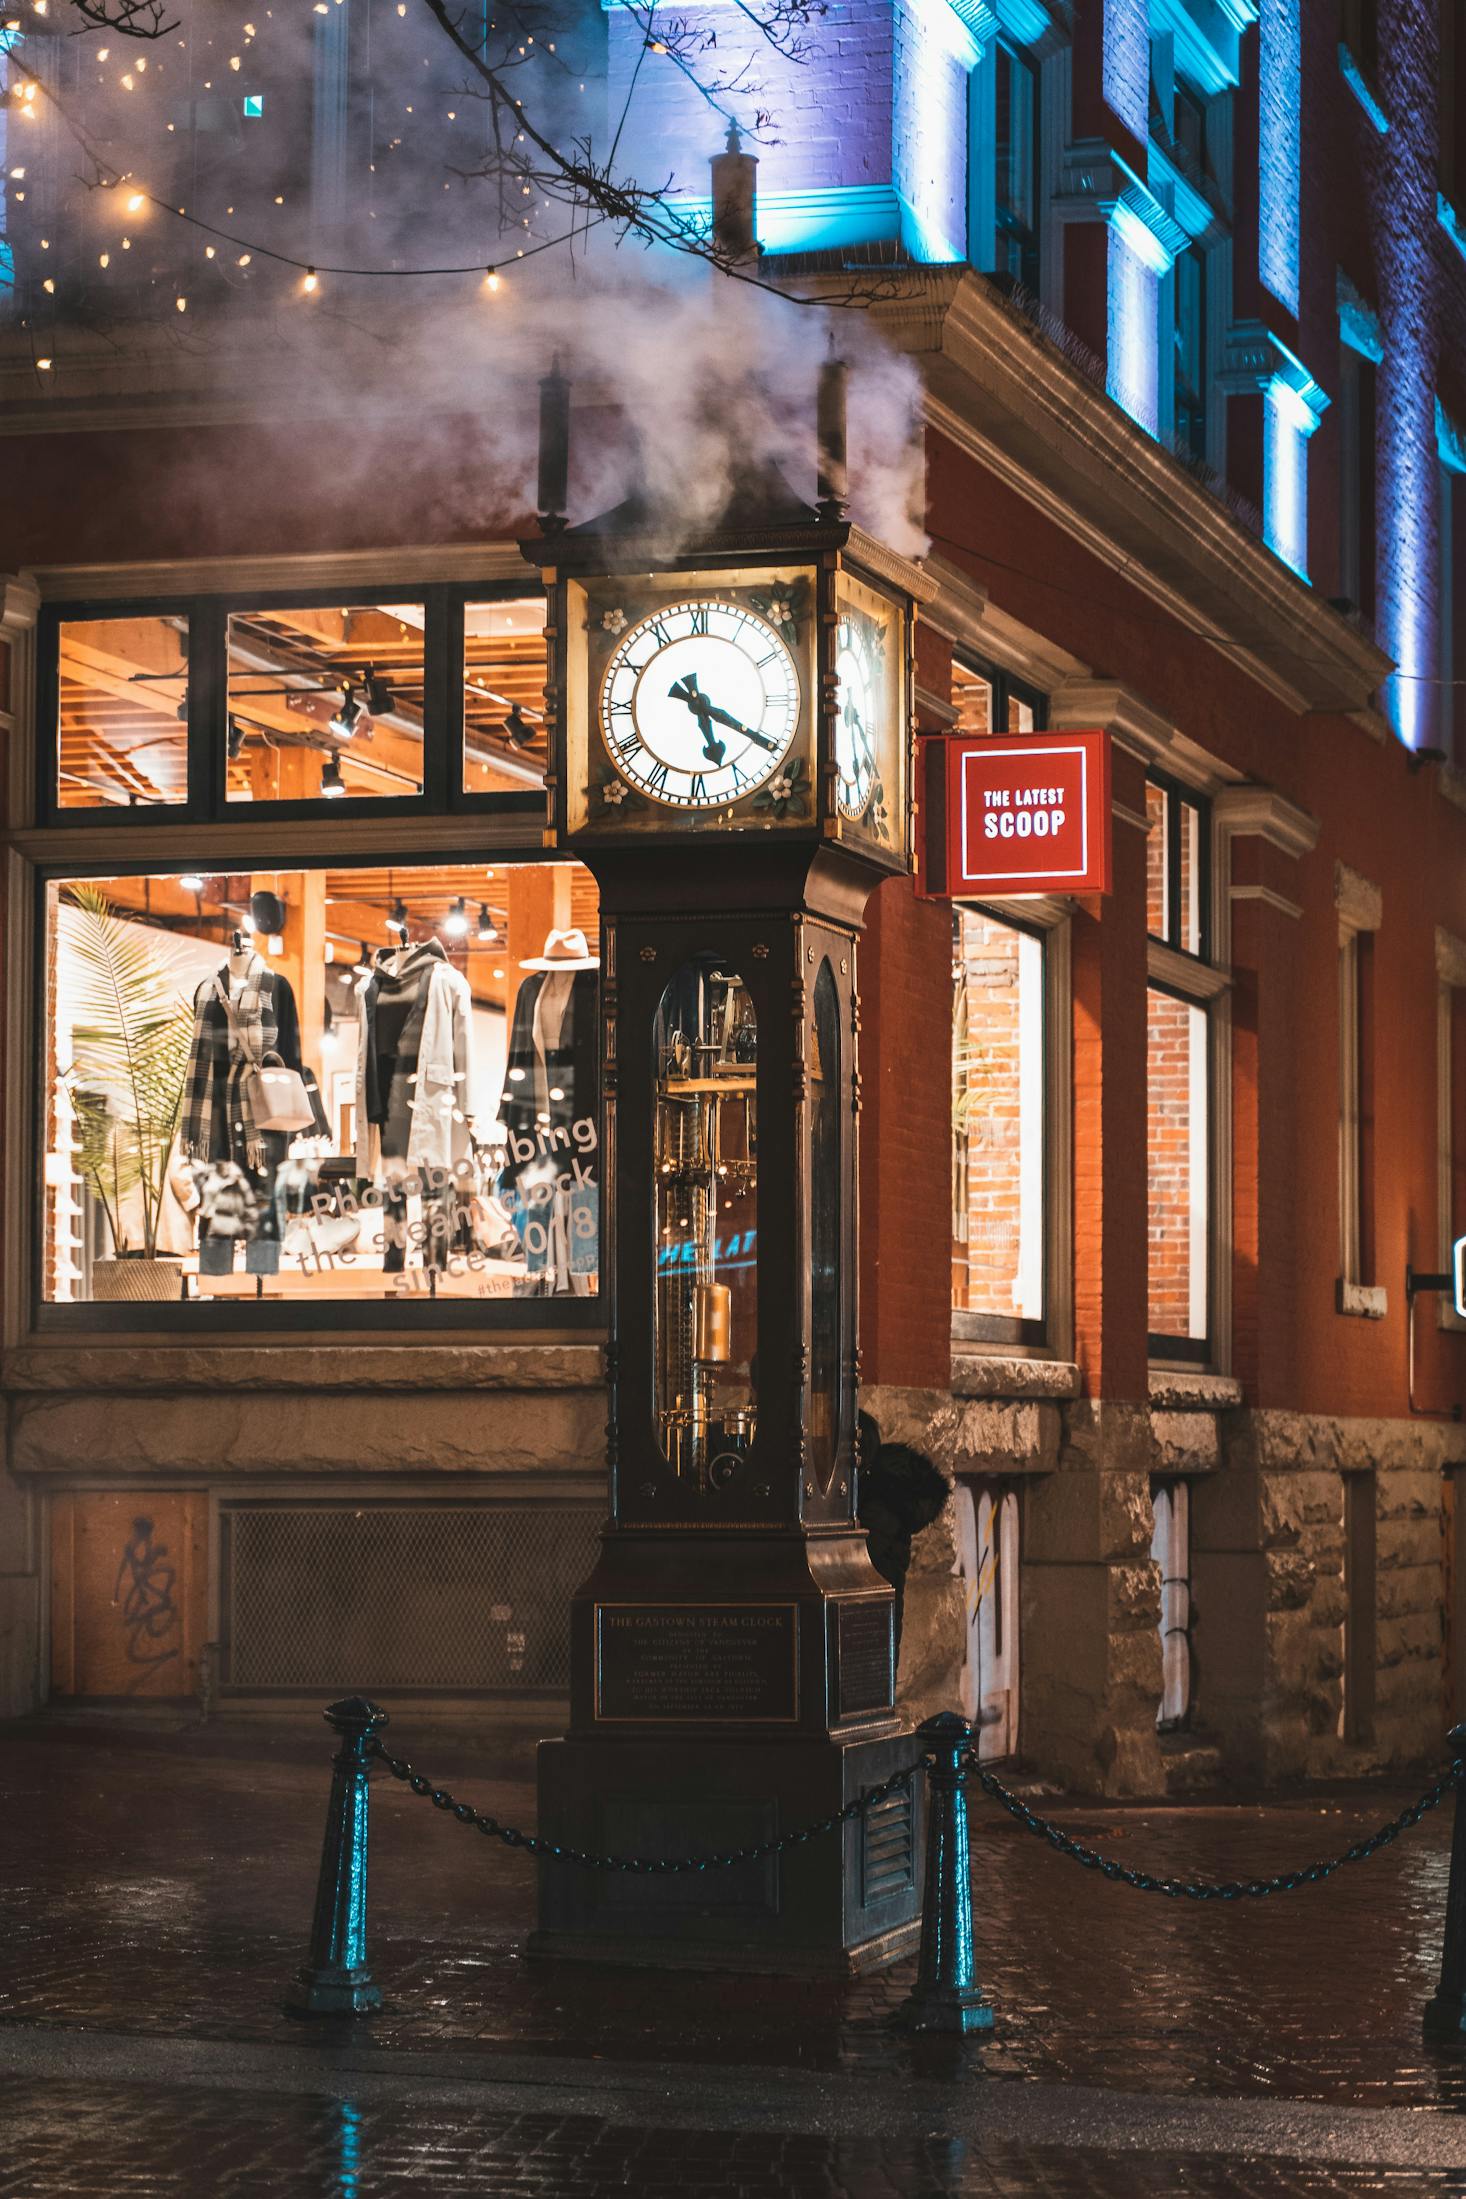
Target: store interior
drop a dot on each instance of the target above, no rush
(342, 1082)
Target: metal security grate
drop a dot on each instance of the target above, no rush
(420, 1597)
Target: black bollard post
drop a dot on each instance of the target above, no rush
(947, 1996)
(1445, 2012)
(336, 1980)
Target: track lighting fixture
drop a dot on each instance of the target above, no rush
(236, 740)
(455, 923)
(397, 921)
(181, 713)
(486, 929)
(344, 720)
(192, 882)
(332, 783)
(363, 962)
(518, 727)
(379, 699)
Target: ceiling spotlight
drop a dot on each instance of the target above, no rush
(455, 923)
(192, 882)
(486, 929)
(345, 718)
(518, 727)
(397, 921)
(378, 694)
(181, 713)
(363, 962)
(236, 740)
(332, 783)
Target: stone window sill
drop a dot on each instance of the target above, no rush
(993, 1374)
(359, 1366)
(1179, 1389)
(1362, 1301)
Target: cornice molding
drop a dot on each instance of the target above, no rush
(1450, 958)
(933, 709)
(1095, 184)
(1268, 898)
(1131, 722)
(999, 391)
(887, 564)
(1360, 903)
(1260, 812)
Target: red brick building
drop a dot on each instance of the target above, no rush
(1183, 292)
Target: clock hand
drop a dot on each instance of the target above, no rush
(687, 690)
(856, 724)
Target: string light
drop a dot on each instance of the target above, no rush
(181, 304)
(136, 203)
(43, 365)
(493, 280)
(311, 280)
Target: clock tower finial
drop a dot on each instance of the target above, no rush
(735, 201)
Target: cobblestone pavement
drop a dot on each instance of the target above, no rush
(157, 1892)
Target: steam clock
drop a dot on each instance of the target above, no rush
(733, 765)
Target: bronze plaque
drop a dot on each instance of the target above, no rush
(714, 1663)
(865, 1639)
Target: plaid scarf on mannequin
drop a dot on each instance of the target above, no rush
(230, 1040)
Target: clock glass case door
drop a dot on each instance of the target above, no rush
(870, 732)
(705, 1159)
(689, 702)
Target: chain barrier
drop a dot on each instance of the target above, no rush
(532, 1843)
(1203, 1889)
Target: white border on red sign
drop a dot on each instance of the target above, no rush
(992, 751)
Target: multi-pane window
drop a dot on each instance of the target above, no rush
(293, 1079)
(1178, 1074)
(990, 701)
(207, 705)
(1015, 162)
(1356, 1107)
(998, 1128)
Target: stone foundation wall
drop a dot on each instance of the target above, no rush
(1268, 1577)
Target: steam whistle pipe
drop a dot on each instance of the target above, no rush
(947, 1996)
(336, 1980)
(735, 202)
(832, 473)
(1445, 2011)
(554, 481)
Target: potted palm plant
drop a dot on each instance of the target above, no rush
(132, 1026)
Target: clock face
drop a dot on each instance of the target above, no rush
(857, 666)
(699, 704)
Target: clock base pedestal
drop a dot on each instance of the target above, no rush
(845, 1902)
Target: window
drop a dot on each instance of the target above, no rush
(416, 1128)
(1359, 908)
(1359, 31)
(1015, 162)
(985, 1528)
(998, 1140)
(1188, 366)
(1170, 1547)
(208, 705)
(294, 1080)
(1179, 1073)
(989, 701)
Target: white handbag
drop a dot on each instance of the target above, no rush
(276, 1096)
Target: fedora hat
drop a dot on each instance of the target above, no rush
(569, 950)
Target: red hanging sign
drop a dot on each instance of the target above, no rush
(1029, 814)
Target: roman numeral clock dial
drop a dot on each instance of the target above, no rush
(699, 704)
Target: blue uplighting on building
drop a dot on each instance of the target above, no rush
(1279, 108)
(1126, 65)
(1134, 265)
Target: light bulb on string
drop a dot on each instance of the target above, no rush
(312, 281)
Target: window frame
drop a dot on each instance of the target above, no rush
(1194, 978)
(208, 612)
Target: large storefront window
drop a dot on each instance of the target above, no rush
(347, 1082)
(998, 1220)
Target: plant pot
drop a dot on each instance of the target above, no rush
(157, 1280)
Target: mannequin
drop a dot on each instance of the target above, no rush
(415, 1021)
(551, 1087)
(238, 1193)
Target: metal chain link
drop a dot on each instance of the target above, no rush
(1204, 1889)
(649, 1865)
